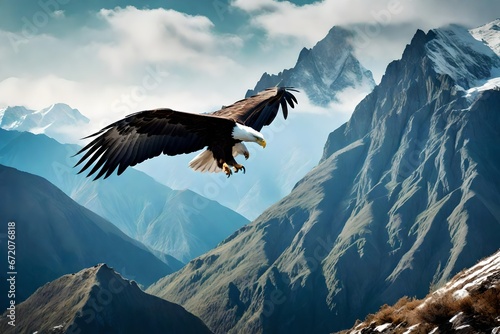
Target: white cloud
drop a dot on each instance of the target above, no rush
(256, 5)
(138, 59)
(373, 20)
(312, 21)
(58, 13)
(167, 36)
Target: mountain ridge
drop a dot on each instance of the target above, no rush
(137, 204)
(58, 121)
(397, 198)
(323, 71)
(99, 300)
(55, 235)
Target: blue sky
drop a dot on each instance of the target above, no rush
(110, 58)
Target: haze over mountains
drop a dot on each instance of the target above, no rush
(170, 222)
(56, 236)
(405, 196)
(58, 121)
(331, 81)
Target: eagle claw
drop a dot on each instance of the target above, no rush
(227, 170)
(239, 167)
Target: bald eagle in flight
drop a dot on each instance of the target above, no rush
(147, 134)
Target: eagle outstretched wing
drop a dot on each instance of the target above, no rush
(261, 109)
(145, 135)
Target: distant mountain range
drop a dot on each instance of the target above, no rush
(406, 195)
(56, 236)
(181, 224)
(99, 300)
(58, 121)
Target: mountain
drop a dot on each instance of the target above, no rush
(58, 121)
(326, 75)
(469, 303)
(488, 33)
(406, 195)
(98, 300)
(324, 71)
(181, 224)
(55, 236)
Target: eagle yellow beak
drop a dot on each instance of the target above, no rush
(261, 142)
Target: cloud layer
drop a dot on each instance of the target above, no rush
(384, 26)
(126, 59)
(132, 59)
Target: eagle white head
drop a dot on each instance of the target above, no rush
(246, 133)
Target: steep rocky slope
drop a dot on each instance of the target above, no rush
(406, 195)
(98, 300)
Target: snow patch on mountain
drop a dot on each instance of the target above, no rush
(466, 304)
(58, 121)
(489, 34)
(455, 52)
(324, 71)
(493, 83)
(473, 277)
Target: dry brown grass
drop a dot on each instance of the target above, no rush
(481, 310)
(481, 307)
(399, 313)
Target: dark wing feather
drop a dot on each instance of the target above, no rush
(261, 109)
(147, 134)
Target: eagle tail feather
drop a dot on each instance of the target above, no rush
(205, 162)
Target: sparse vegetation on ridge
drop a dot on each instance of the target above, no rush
(469, 304)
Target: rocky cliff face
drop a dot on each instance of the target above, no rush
(323, 71)
(405, 196)
(98, 300)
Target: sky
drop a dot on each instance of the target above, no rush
(111, 58)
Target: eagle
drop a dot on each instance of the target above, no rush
(147, 134)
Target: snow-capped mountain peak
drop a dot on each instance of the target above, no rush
(455, 52)
(324, 71)
(489, 33)
(58, 121)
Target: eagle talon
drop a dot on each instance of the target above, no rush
(239, 167)
(226, 169)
